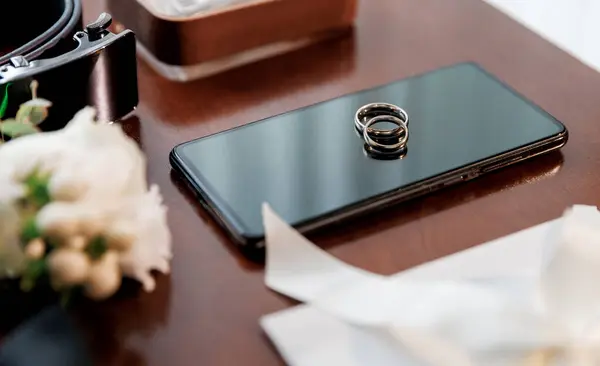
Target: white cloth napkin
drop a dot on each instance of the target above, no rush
(186, 8)
(544, 310)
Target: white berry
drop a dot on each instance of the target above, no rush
(68, 267)
(35, 249)
(76, 242)
(104, 278)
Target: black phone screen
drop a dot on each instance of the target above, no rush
(310, 162)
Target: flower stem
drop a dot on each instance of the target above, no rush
(34, 87)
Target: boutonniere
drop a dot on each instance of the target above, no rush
(76, 212)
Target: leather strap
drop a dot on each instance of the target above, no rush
(54, 21)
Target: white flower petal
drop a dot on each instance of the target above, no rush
(10, 191)
(152, 249)
(97, 155)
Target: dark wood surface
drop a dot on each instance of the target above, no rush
(206, 312)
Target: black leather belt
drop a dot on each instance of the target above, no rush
(58, 21)
(75, 66)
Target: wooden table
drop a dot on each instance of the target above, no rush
(206, 312)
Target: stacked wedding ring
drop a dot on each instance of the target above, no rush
(382, 141)
(390, 140)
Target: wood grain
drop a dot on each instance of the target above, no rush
(206, 312)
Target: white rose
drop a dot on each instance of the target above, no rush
(98, 158)
(98, 179)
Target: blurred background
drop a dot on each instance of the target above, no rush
(570, 24)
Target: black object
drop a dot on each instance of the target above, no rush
(49, 338)
(311, 167)
(73, 67)
(41, 28)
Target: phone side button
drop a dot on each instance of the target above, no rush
(502, 164)
(456, 180)
(447, 183)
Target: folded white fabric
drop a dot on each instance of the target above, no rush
(186, 8)
(549, 314)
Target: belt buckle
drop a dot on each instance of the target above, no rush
(100, 71)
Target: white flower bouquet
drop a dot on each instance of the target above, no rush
(76, 212)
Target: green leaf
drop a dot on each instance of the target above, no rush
(37, 189)
(33, 112)
(97, 247)
(13, 128)
(30, 231)
(33, 271)
(4, 103)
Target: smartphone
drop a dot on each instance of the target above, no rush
(310, 164)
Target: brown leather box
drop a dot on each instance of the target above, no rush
(213, 41)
